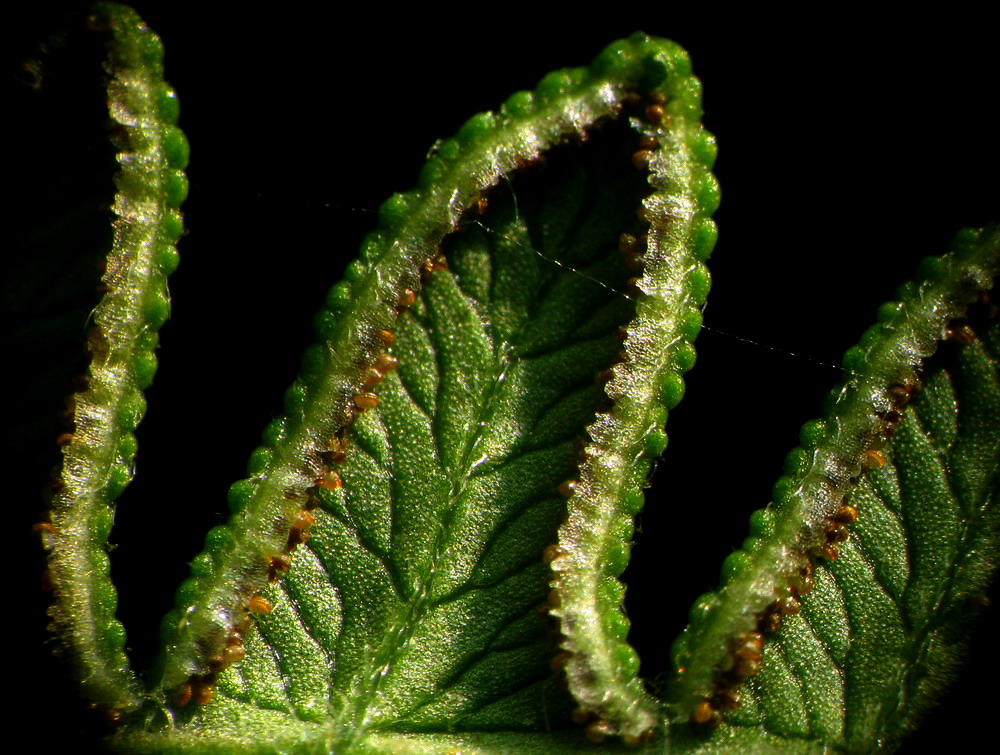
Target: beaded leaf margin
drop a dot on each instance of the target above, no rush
(99, 446)
(587, 594)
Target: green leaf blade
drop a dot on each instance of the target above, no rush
(899, 663)
(432, 549)
(360, 314)
(881, 627)
(463, 475)
(411, 620)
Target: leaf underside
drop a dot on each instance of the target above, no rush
(412, 613)
(884, 628)
(877, 630)
(450, 495)
(418, 602)
(417, 615)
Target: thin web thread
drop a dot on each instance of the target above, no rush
(719, 331)
(624, 294)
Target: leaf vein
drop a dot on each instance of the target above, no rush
(395, 579)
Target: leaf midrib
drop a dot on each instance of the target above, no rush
(504, 358)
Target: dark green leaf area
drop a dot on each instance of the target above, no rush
(886, 622)
(415, 604)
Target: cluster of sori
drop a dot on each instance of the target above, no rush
(812, 515)
(200, 687)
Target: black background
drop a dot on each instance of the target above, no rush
(850, 147)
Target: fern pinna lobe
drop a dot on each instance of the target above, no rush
(843, 473)
(98, 450)
(296, 476)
